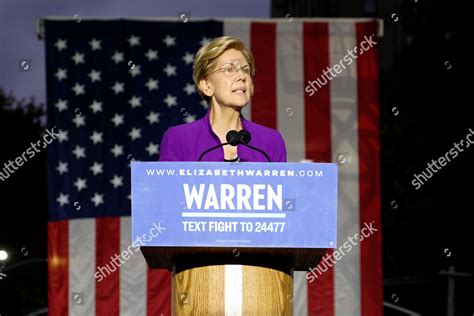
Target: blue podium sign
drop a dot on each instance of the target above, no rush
(228, 204)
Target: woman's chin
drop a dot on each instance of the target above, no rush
(241, 102)
(240, 106)
(237, 105)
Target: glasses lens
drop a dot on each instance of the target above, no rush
(246, 71)
(233, 68)
(230, 69)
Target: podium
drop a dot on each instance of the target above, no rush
(233, 233)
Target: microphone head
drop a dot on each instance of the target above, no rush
(232, 137)
(244, 137)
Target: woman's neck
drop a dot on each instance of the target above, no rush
(224, 119)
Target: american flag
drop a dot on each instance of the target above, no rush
(115, 86)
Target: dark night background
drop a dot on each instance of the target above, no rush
(425, 108)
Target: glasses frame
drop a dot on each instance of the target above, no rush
(235, 65)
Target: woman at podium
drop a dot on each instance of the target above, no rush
(223, 71)
(217, 281)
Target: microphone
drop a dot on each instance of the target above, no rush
(244, 138)
(232, 138)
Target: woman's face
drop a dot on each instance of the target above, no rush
(229, 89)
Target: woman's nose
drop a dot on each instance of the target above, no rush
(241, 75)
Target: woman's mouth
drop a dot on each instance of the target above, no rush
(239, 90)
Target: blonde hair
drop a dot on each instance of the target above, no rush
(206, 58)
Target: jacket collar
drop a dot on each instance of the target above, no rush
(207, 122)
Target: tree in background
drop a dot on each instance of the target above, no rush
(23, 208)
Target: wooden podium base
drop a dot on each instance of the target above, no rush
(249, 286)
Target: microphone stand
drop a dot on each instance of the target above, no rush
(212, 148)
(259, 150)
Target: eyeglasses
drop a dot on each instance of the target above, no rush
(231, 69)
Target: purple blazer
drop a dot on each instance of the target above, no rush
(186, 142)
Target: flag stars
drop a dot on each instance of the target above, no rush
(188, 58)
(134, 40)
(79, 152)
(95, 44)
(117, 119)
(62, 136)
(78, 89)
(96, 168)
(61, 44)
(61, 105)
(170, 100)
(97, 199)
(62, 167)
(170, 70)
(117, 150)
(190, 89)
(152, 149)
(152, 84)
(63, 199)
(204, 104)
(80, 184)
(135, 71)
(151, 54)
(96, 106)
(94, 75)
(135, 102)
(61, 74)
(189, 118)
(117, 181)
(117, 57)
(79, 120)
(96, 137)
(204, 41)
(117, 87)
(169, 40)
(153, 117)
(78, 58)
(135, 133)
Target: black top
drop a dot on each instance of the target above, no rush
(236, 159)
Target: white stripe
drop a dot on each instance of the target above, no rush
(233, 290)
(234, 215)
(290, 98)
(290, 122)
(344, 123)
(300, 293)
(81, 267)
(241, 30)
(133, 274)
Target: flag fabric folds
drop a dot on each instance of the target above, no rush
(115, 86)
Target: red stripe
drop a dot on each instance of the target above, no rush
(263, 46)
(159, 292)
(318, 142)
(369, 172)
(317, 104)
(58, 279)
(107, 251)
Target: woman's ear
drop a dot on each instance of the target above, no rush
(206, 87)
